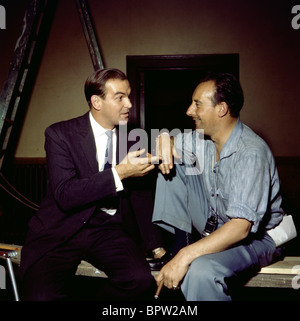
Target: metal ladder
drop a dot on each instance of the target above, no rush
(25, 62)
(21, 76)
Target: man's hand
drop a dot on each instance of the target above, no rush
(135, 166)
(165, 149)
(229, 234)
(174, 271)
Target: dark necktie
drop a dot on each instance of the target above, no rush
(108, 152)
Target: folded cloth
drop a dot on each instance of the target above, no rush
(283, 232)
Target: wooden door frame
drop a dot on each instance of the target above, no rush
(137, 66)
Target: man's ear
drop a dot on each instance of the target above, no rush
(223, 109)
(96, 102)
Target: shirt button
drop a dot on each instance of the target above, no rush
(83, 220)
(212, 195)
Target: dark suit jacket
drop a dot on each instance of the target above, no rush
(75, 188)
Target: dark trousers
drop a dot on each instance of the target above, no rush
(103, 243)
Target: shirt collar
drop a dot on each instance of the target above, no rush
(231, 144)
(98, 130)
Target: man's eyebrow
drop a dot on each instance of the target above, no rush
(119, 93)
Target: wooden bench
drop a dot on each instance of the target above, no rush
(277, 275)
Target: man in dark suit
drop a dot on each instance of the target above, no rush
(89, 191)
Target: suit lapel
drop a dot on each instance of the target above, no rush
(87, 142)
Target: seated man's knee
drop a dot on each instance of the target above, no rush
(201, 268)
(205, 280)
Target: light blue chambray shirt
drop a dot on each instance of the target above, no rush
(244, 183)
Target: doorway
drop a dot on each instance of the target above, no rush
(162, 86)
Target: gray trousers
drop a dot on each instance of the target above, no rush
(180, 202)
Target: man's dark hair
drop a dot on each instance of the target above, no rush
(95, 83)
(227, 89)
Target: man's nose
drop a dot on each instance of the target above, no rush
(128, 103)
(191, 110)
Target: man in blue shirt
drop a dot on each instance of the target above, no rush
(226, 186)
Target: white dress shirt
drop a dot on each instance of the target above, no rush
(101, 142)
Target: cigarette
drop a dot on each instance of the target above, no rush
(158, 289)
